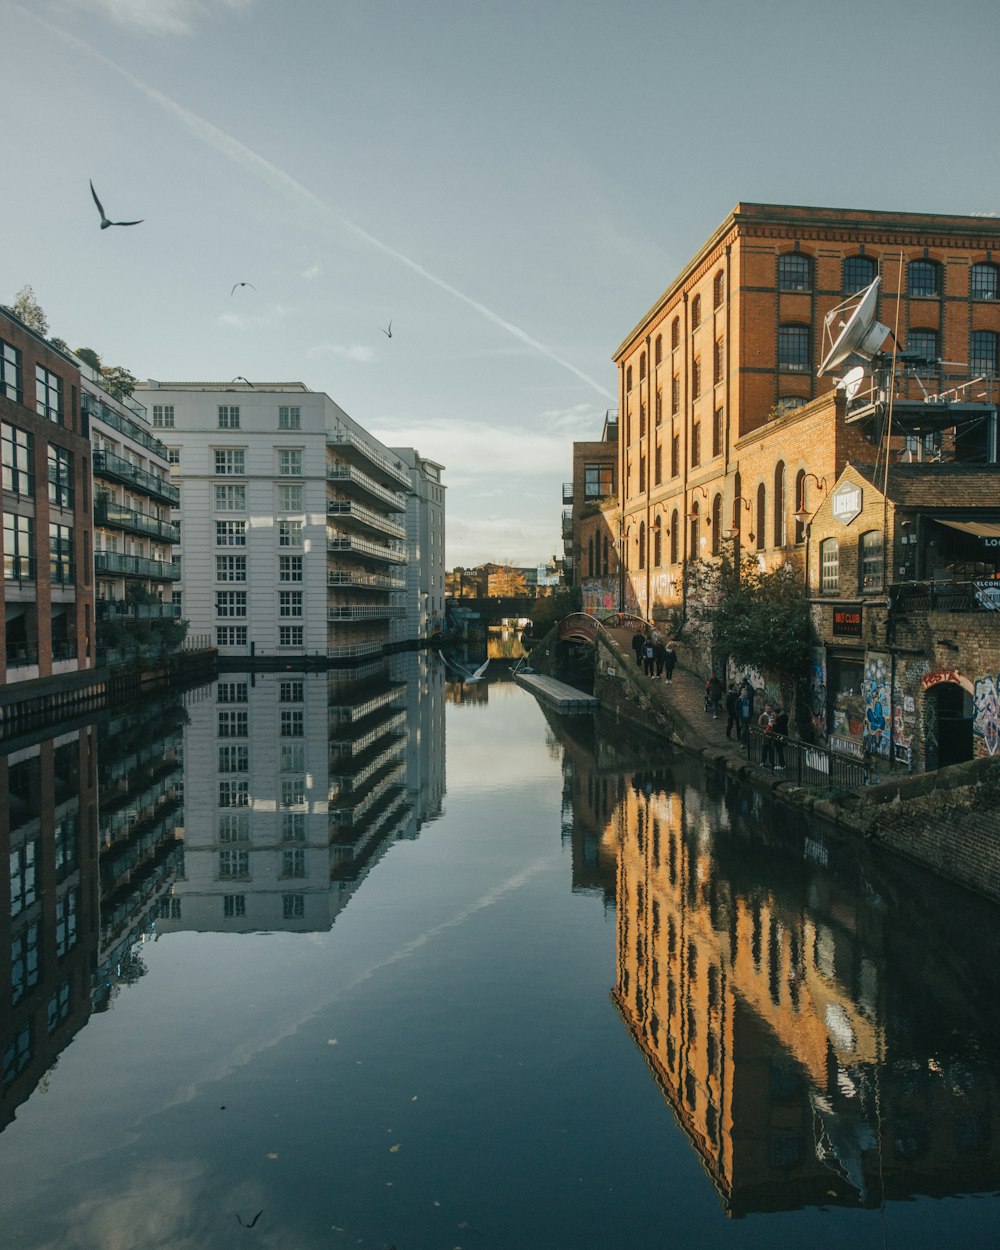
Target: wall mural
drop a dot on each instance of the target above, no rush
(875, 688)
(986, 724)
(817, 690)
(600, 595)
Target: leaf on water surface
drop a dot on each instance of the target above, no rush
(394, 1149)
(271, 1155)
(331, 1041)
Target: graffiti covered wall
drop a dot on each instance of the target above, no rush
(876, 697)
(986, 700)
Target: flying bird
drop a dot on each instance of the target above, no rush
(252, 1222)
(236, 284)
(387, 333)
(104, 217)
(240, 378)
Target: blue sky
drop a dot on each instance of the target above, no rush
(511, 184)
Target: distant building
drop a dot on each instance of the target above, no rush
(425, 540)
(590, 527)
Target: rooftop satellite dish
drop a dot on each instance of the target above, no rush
(860, 334)
(850, 383)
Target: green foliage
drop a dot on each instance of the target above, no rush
(89, 357)
(549, 609)
(118, 382)
(27, 307)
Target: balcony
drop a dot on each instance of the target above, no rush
(919, 598)
(364, 549)
(359, 484)
(108, 465)
(347, 512)
(96, 409)
(365, 612)
(364, 581)
(121, 609)
(360, 452)
(567, 492)
(567, 523)
(107, 512)
(354, 650)
(110, 562)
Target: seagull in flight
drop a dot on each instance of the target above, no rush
(387, 333)
(104, 217)
(240, 378)
(236, 284)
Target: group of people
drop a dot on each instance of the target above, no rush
(655, 657)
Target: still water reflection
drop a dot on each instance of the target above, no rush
(579, 995)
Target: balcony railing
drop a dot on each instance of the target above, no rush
(110, 562)
(395, 470)
(346, 510)
(364, 581)
(110, 465)
(365, 612)
(19, 655)
(352, 479)
(567, 492)
(919, 597)
(107, 512)
(96, 408)
(121, 609)
(567, 524)
(354, 650)
(361, 547)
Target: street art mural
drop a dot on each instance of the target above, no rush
(875, 689)
(817, 690)
(600, 595)
(986, 699)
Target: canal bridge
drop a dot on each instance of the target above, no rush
(492, 609)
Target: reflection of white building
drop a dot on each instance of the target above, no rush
(293, 538)
(425, 545)
(424, 675)
(294, 784)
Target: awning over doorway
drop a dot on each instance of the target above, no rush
(980, 529)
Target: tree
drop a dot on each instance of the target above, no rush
(89, 357)
(506, 581)
(27, 307)
(118, 381)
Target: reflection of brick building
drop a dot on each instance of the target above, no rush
(715, 432)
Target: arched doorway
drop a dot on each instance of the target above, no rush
(948, 715)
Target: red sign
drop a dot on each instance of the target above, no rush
(847, 622)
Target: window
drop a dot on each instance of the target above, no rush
(17, 1055)
(696, 312)
(234, 865)
(800, 502)
(718, 432)
(234, 826)
(871, 560)
(983, 351)
(61, 563)
(642, 419)
(829, 566)
(859, 272)
(924, 343)
(234, 793)
(675, 333)
(642, 544)
(231, 636)
(234, 758)
(293, 906)
(230, 499)
(675, 454)
(65, 839)
(289, 418)
(10, 372)
(234, 905)
(719, 289)
(788, 403)
(658, 407)
(719, 362)
(24, 960)
(18, 548)
(984, 282)
(642, 365)
(293, 791)
(289, 533)
(923, 278)
(793, 348)
(292, 757)
(761, 516)
(675, 395)
(695, 519)
(292, 724)
(230, 533)
(18, 460)
(642, 473)
(174, 457)
(289, 498)
(717, 525)
(290, 603)
(22, 878)
(695, 443)
(57, 1010)
(229, 417)
(696, 378)
(230, 603)
(289, 568)
(674, 536)
(598, 481)
(231, 692)
(657, 543)
(794, 272)
(290, 635)
(292, 691)
(230, 568)
(657, 465)
(658, 349)
(293, 826)
(230, 462)
(48, 395)
(293, 863)
(163, 416)
(233, 724)
(289, 463)
(779, 504)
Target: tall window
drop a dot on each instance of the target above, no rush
(289, 533)
(289, 568)
(230, 498)
(983, 351)
(718, 432)
(48, 394)
(675, 394)
(642, 544)
(674, 536)
(675, 333)
(642, 473)
(779, 504)
(60, 477)
(231, 603)
(642, 419)
(590, 556)
(289, 498)
(800, 502)
(658, 407)
(290, 603)
(871, 560)
(675, 454)
(859, 272)
(695, 519)
(628, 378)
(695, 443)
(984, 282)
(696, 378)
(229, 417)
(793, 348)
(761, 518)
(230, 533)
(716, 525)
(658, 349)
(829, 566)
(642, 365)
(163, 416)
(794, 272)
(230, 462)
(18, 460)
(719, 289)
(230, 568)
(924, 343)
(289, 463)
(289, 418)
(61, 564)
(658, 465)
(657, 543)
(10, 372)
(923, 278)
(696, 312)
(719, 361)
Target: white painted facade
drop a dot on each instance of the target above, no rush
(425, 538)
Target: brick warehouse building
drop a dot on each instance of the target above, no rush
(725, 429)
(47, 519)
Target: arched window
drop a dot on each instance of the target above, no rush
(695, 519)
(590, 557)
(761, 518)
(657, 544)
(923, 278)
(984, 282)
(800, 502)
(718, 432)
(628, 378)
(859, 272)
(793, 348)
(696, 378)
(719, 289)
(642, 365)
(658, 348)
(779, 504)
(642, 544)
(924, 343)
(696, 312)
(829, 566)
(794, 272)
(870, 560)
(675, 394)
(659, 407)
(717, 525)
(983, 351)
(675, 333)
(719, 361)
(674, 536)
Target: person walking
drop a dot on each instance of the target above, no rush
(745, 703)
(780, 731)
(638, 642)
(659, 657)
(714, 691)
(647, 657)
(765, 723)
(732, 711)
(669, 663)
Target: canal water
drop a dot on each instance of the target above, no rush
(396, 959)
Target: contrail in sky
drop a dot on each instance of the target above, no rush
(241, 155)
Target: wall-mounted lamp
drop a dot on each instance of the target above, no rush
(802, 513)
(734, 525)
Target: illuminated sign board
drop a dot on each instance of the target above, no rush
(847, 622)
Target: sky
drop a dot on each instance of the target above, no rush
(510, 185)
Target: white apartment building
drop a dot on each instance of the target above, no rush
(292, 538)
(425, 534)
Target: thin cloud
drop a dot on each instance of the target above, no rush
(226, 145)
(161, 17)
(254, 321)
(484, 450)
(311, 273)
(357, 352)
